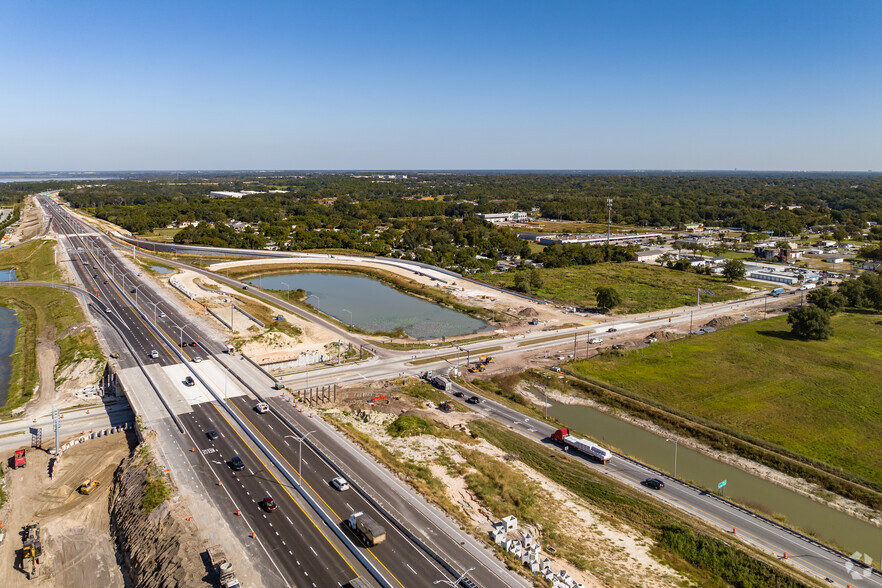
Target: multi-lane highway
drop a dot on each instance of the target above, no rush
(802, 551)
(168, 348)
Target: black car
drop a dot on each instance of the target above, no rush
(654, 483)
(474, 400)
(212, 434)
(237, 464)
(458, 394)
(189, 381)
(611, 330)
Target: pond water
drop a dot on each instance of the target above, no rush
(161, 270)
(373, 306)
(7, 275)
(8, 329)
(826, 523)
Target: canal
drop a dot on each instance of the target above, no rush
(829, 525)
(372, 306)
(8, 329)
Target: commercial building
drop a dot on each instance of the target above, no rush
(648, 255)
(780, 278)
(503, 217)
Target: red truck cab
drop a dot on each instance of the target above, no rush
(21, 459)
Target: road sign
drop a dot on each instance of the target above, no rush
(721, 484)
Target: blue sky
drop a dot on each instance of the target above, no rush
(440, 85)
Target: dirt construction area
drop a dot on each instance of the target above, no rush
(74, 528)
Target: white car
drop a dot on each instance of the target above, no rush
(261, 407)
(161, 315)
(595, 340)
(197, 359)
(154, 354)
(340, 484)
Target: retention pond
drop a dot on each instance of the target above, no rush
(374, 307)
(8, 329)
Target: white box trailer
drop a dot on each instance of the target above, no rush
(589, 448)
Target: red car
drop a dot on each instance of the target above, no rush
(269, 504)
(192, 343)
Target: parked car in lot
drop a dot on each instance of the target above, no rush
(654, 483)
(340, 484)
(212, 434)
(237, 464)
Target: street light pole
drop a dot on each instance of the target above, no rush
(300, 455)
(675, 455)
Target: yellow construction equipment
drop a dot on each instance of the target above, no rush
(31, 550)
(87, 486)
(485, 359)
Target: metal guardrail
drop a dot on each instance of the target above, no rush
(245, 312)
(217, 316)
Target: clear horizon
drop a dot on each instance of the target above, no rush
(639, 86)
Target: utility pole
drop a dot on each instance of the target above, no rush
(608, 219)
(56, 422)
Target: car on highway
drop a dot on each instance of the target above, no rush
(474, 400)
(237, 464)
(95, 276)
(133, 290)
(653, 483)
(106, 282)
(197, 359)
(595, 340)
(161, 315)
(269, 504)
(459, 394)
(340, 484)
(154, 354)
(193, 343)
(184, 343)
(108, 310)
(611, 330)
(261, 407)
(211, 434)
(188, 381)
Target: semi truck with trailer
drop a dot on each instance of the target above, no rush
(367, 529)
(592, 450)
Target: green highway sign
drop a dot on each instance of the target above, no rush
(721, 484)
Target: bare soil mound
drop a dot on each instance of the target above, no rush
(527, 311)
(721, 321)
(665, 335)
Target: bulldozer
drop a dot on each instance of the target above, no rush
(485, 359)
(87, 486)
(31, 550)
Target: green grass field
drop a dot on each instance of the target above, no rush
(818, 399)
(161, 235)
(43, 310)
(644, 287)
(33, 261)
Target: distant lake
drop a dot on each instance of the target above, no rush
(7, 180)
(8, 328)
(373, 306)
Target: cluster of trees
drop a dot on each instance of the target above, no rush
(569, 254)
(812, 321)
